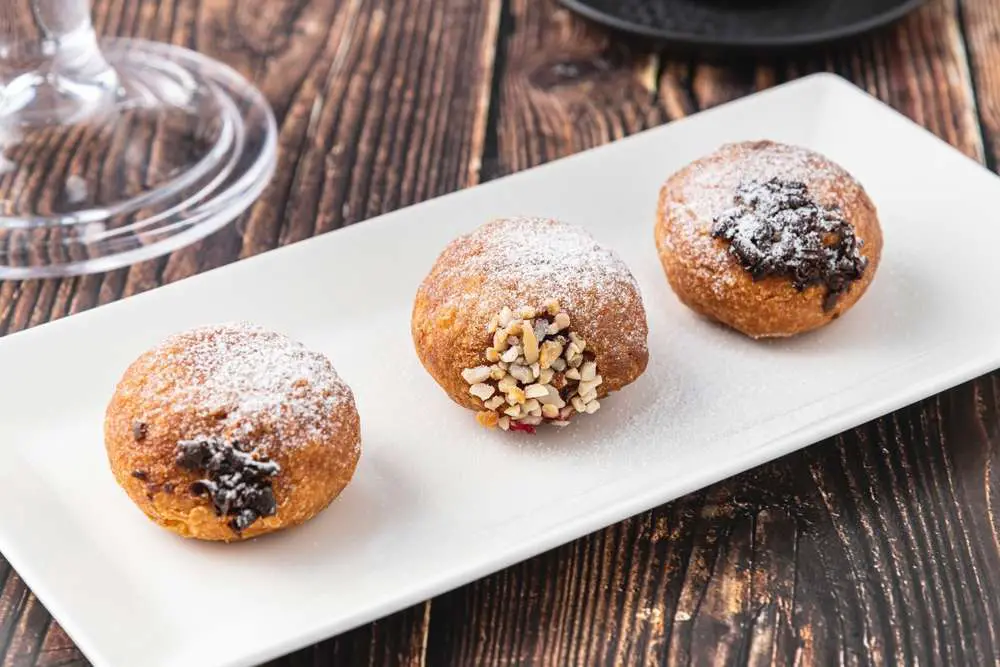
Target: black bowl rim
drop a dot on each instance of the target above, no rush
(879, 20)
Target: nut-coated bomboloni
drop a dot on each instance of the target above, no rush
(529, 321)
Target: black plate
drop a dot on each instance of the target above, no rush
(744, 23)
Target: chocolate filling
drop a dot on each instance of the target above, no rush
(238, 484)
(776, 228)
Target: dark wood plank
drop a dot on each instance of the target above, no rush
(58, 650)
(381, 104)
(564, 87)
(980, 24)
(876, 547)
(13, 596)
(399, 640)
(26, 639)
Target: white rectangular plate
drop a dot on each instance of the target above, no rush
(437, 501)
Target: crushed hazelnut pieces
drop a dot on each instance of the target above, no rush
(537, 371)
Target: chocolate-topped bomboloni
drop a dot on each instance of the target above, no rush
(232, 431)
(770, 239)
(530, 321)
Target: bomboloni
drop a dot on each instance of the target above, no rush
(770, 239)
(530, 321)
(232, 431)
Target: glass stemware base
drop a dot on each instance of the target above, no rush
(182, 146)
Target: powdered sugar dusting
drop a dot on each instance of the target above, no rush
(696, 195)
(256, 382)
(775, 228)
(763, 160)
(529, 259)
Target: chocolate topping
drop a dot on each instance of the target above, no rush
(238, 484)
(139, 430)
(776, 228)
(141, 475)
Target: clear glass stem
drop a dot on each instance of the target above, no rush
(51, 68)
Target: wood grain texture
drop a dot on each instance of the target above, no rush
(980, 24)
(878, 547)
(564, 86)
(380, 104)
(870, 548)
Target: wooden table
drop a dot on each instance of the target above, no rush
(879, 546)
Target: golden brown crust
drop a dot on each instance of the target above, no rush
(708, 279)
(479, 274)
(152, 410)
